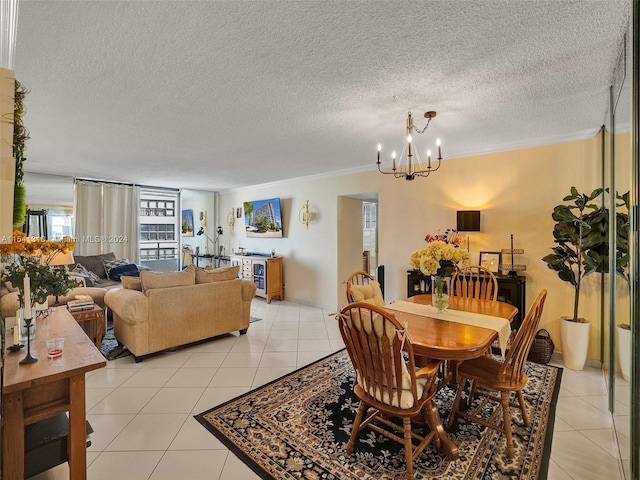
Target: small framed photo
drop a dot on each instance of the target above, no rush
(491, 261)
(187, 223)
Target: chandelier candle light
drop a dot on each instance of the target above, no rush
(406, 167)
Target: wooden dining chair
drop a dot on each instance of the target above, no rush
(387, 387)
(475, 281)
(363, 287)
(496, 380)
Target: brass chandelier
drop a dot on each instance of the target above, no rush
(407, 166)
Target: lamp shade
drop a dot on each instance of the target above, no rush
(59, 258)
(468, 221)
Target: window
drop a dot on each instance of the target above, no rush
(159, 229)
(157, 208)
(369, 215)
(158, 254)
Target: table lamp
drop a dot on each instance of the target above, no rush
(468, 221)
(57, 259)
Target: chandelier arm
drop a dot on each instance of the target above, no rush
(428, 171)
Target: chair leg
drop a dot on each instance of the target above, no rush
(408, 447)
(456, 402)
(356, 428)
(522, 408)
(504, 396)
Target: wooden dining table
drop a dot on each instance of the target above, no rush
(445, 340)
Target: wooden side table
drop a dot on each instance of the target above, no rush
(95, 320)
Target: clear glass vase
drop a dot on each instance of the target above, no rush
(20, 320)
(440, 292)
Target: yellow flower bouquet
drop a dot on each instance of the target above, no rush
(440, 258)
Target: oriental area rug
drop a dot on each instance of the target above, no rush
(297, 427)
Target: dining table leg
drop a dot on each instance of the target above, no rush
(443, 442)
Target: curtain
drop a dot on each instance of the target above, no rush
(106, 219)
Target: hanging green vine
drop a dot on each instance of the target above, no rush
(20, 136)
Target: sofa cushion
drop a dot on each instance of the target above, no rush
(111, 264)
(89, 277)
(131, 283)
(95, 263)
(216, 274)
(129, 269)
(151, 280)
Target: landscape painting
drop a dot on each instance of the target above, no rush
(262, 218)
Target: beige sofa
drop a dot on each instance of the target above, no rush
(9, 298)
(94, 263)
(159, 311)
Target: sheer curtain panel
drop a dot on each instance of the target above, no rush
(106, 216)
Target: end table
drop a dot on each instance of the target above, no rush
(95, 320)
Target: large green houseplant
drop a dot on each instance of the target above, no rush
(20, 137)
(579, 243)
(622, 267)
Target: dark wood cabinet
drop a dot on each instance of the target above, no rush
(513, 290)
(510, 290)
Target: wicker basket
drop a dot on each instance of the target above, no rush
(541, 348)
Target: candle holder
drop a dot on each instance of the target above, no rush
(28, 357)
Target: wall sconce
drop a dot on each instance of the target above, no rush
(468, 221)
(203, 219)
(231, 218)
(303, 214)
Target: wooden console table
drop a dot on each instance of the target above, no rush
(46, 388)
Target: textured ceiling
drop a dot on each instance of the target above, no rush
(218, 95)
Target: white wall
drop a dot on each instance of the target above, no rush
(200, 201)
(515, 191)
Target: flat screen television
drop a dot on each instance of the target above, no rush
(262, 218)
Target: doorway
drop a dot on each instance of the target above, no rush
(357, 228)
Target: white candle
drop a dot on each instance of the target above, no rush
(27, 296)
(16, 332)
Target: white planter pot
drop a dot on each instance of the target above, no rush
(574, 338)
(624, 352)
(42, 306)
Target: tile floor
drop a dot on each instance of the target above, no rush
(142, 413)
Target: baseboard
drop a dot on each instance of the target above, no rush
(557, 357)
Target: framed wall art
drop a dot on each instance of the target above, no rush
(491, 261)
(187, 223)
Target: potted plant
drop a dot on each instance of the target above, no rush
(622, 268)
(20, 136)
(578, 237)
(599, 258)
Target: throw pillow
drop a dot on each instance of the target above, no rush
(128, 269)
(109, 264)
(370, 293)
(151, 280)
(90, 278)
(131, 283)
(217, 274)
(94, 263)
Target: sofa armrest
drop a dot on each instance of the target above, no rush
(248, 290)
(132, 306)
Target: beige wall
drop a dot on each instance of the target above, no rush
(515, 192)
(349, 244)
